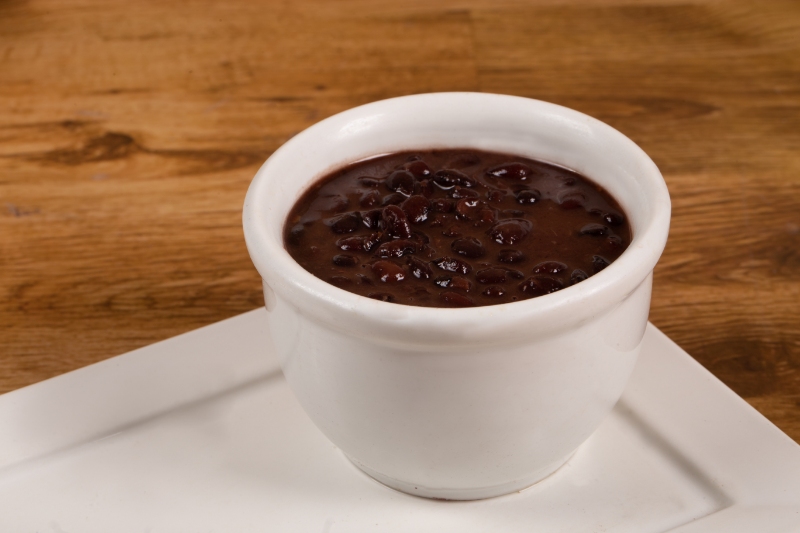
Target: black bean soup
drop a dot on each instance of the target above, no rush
(455, 228)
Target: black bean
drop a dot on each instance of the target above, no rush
(491, 276)
(424, 187)
(599, 263)
(511, 213)
(510, 231)
(614, 242)
(354, 244)
(539, 285)
(469, 208)
(594, 229)
(418, 168)
(370, 182)
(420, 238)
(388, 272)
(359, 243)
(453, 265)
(460, 283)
(468, 181)
(340, 281)
(514, 171)
(458, 192)
(456, 299)
(370, 199)
(393, 199)
(514, 274)
(295, 235)
(401, 181)
(336, 203)
(346, 223)
(452, 231)
(468, 247)
(420, 292)
(571, 199)
(417, 208)
(449, 178)
(419, 269)
(485, 216)
(437, 220)
(397, 248)
(395, 222)
(445, 179)
(382, 296)
(374, 239)
(614, 219)
(577, 276)
(496, 196)
(345, 260)
(511, 256)
(443, 205)
(495, 291)
(549, 267)
(528, 197)
(443, 281)
(372, 218)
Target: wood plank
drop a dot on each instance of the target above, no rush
(129, 134)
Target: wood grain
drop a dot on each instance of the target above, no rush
(129, 133)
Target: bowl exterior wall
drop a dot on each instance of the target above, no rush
(459, 403)
(460, 423)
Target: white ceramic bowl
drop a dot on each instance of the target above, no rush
(459, 403)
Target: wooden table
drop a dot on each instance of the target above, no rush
(129, 132)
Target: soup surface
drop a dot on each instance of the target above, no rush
(455, 228)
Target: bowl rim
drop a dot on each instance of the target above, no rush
(394, 323)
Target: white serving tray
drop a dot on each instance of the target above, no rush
(201, 433)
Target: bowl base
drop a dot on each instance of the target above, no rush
(477, 493)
